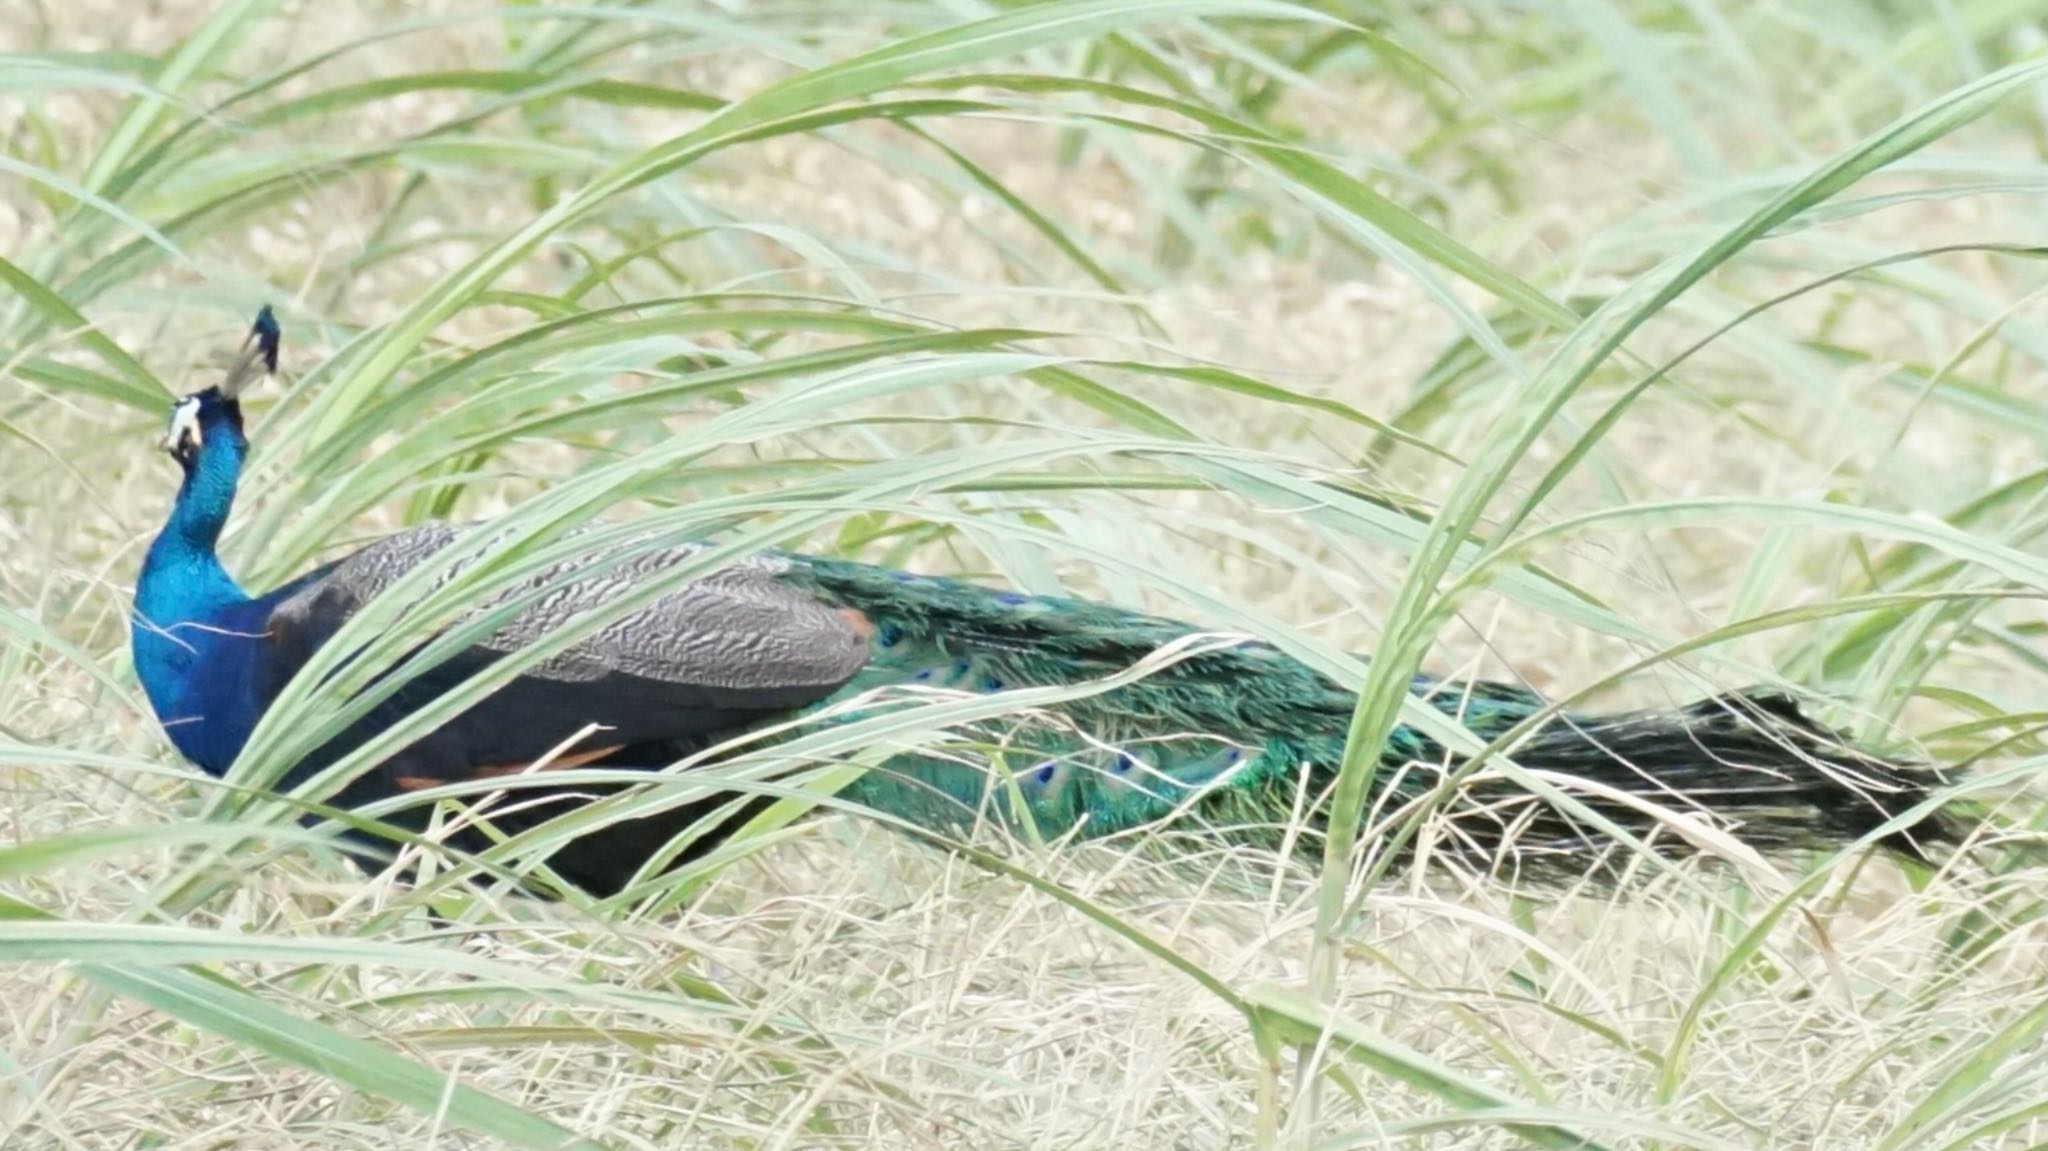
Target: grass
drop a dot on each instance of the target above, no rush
(1629, 350)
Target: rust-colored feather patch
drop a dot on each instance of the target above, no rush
(496, 770)
(559, 763)
(862, 625)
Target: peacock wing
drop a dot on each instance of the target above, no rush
(725, 651)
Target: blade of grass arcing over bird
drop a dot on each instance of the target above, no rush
(1412, 623)
(1114, 317)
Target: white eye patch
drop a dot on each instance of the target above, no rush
(184, 426)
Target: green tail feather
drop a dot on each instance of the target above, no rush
(1247, 740)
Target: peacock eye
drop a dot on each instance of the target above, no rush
(182, 438)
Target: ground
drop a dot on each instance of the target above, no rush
(847, 987)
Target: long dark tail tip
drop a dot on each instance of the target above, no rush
(1853, 792)
(1754, 759)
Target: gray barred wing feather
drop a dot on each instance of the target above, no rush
(701, 660)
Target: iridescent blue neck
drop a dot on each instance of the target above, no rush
(182, 570)
(186, 604)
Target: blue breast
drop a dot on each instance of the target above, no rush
(204, 676)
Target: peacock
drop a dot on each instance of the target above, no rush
(1237, 737)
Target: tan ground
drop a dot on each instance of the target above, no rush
(950, 1008)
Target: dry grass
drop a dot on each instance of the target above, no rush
(889, 996)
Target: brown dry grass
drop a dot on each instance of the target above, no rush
(899, 998)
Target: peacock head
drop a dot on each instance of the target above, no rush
(218, 410)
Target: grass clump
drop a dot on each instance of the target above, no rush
(1627, 350)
